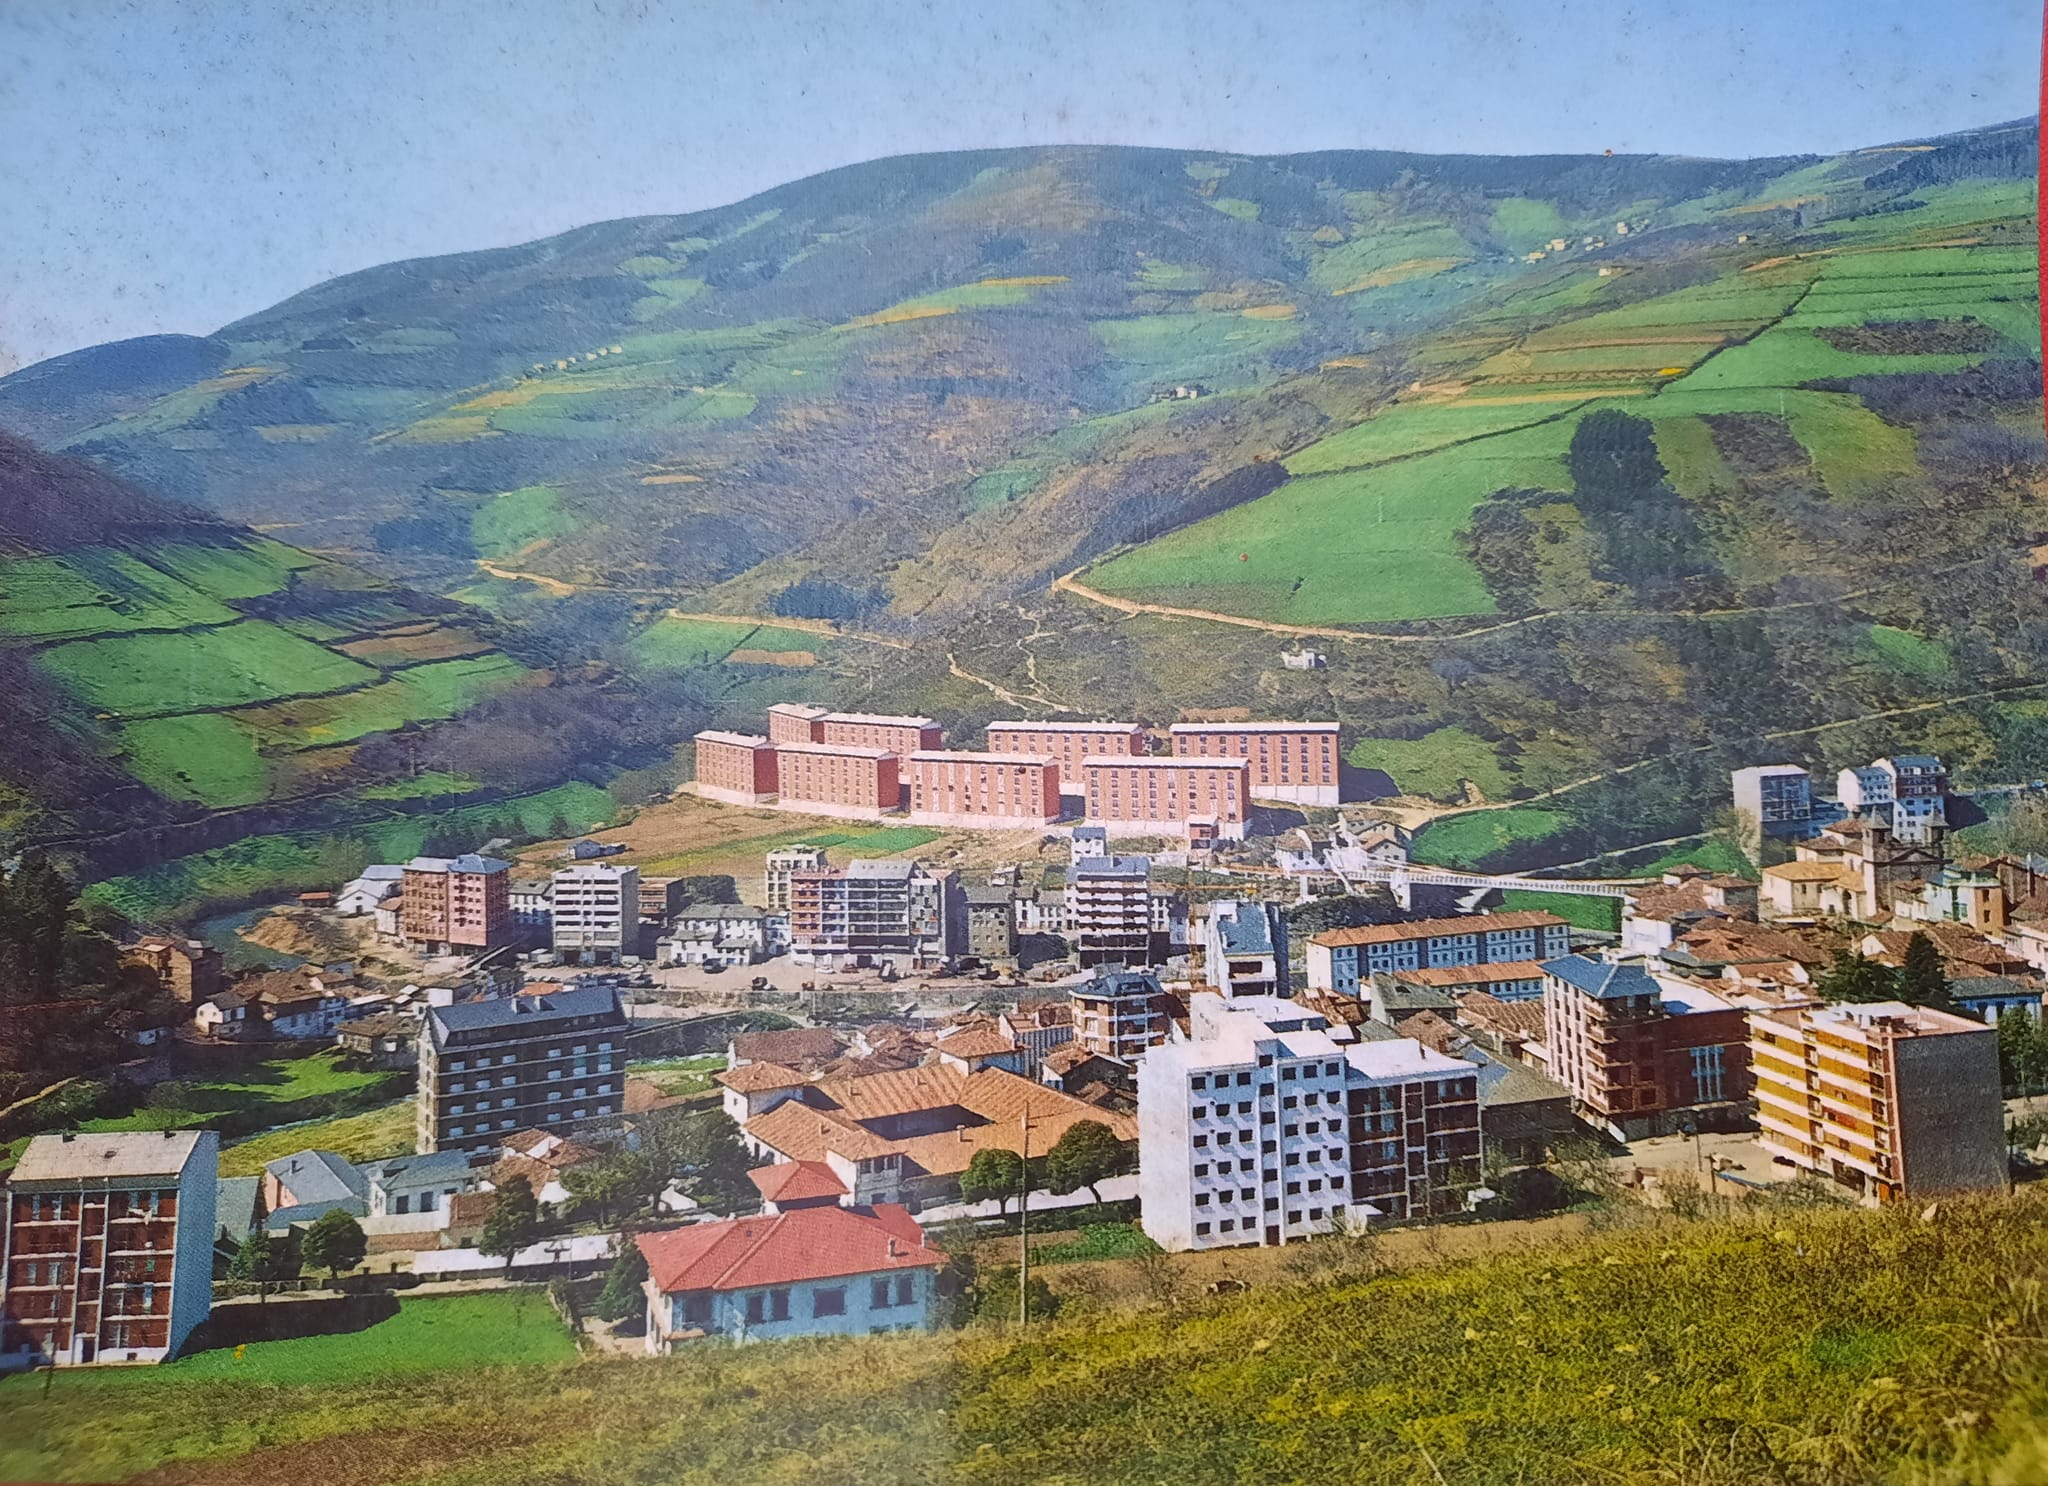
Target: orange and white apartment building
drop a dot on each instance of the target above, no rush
(107, 1253)
(1293, 761)
(991, 790)
(1069, 743)
(738, 768)
(1151, 796)
(837, 779)
(1889, 1100)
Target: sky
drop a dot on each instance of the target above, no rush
(172, 165)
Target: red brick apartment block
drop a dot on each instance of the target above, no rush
(1150, 796)
(738, 768)
(1293, 761)
(793, 722)
(1068, 742)
(899, 735)
(1016, 790)
(834, 779)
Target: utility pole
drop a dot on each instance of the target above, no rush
(1024, 1226)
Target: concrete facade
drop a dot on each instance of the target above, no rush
(1892, 1101)
(490, 1068)
(1069, 743)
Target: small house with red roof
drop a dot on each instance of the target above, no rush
(817, 1269)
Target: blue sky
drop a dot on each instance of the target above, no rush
(174, 164)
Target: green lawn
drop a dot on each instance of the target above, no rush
(1471, 840)
(149, 675)
(1436, 764)
(442, 1333)
(370, 1135)
(1577, 909)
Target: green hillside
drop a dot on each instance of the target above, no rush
(1870, 1349)
(180, 664)
(840, 442)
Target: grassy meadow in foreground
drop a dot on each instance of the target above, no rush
(1822, 1348)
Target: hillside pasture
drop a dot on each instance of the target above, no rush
(1436, 764)
(207, 757)
(1407, 428)
(512, 521)
(268, 866)
(151, 675)
(673, 644)
(419, 693)
(1213, 347)
(413, 645)
(97, 591)
(1347, 547)
(244, 569)
(1474, 839)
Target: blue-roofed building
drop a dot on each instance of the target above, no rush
(1640, 1053)
(545, 1062)
(422, 1186)
(1244, 949)
(309, 1184)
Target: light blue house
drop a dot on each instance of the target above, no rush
(800, 1270)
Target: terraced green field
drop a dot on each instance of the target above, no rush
(207, 757)
(97, 591)
(154, 674)
(508, 524)
(1215, 348)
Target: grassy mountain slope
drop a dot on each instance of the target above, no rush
(176, 664)
(749, 453)
(1824, 1349)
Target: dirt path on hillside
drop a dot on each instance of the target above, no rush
(1003, 693)
(822, 627)
(555, 586)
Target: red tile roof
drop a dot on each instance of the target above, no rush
(793, 1181)
(807, 1243)
(794, 1047)
(760, 1078)
(976, 1043)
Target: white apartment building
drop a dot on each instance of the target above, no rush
(596, 911)
(1263, 1129)
(786, 863)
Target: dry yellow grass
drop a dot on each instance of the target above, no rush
(898, 316)
(1354, 363)
(1399, 273)
(746, 657)
(1270, 312)
(671, 479)
(1029, 281)
(446, 429)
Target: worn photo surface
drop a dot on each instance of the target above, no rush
(1022, 745)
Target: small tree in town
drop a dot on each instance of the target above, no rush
(993, 1173)
(1086, 1154)
(1922, 980)
(260, 1260)
(622, 1296)
(608, 1182)
(513, 1222)
(1853, 978)
(335, 1242)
